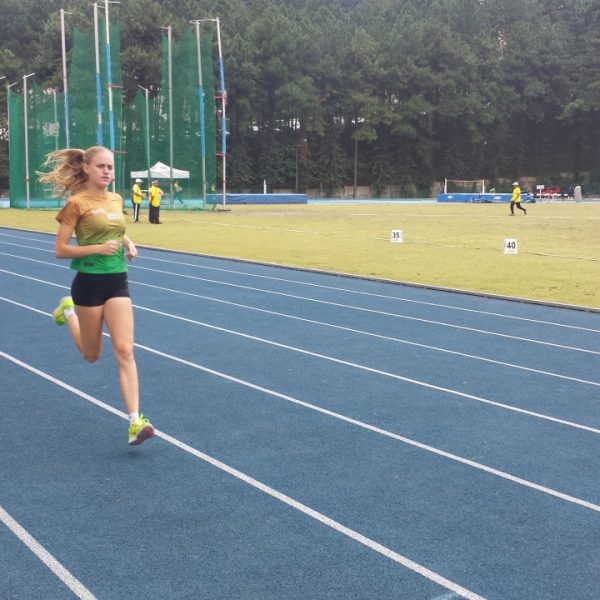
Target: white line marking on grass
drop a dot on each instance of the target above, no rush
(566, 256)
(289, 501)
(34, 546)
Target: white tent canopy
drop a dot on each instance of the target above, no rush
(161, 171)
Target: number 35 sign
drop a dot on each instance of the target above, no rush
(396, 236)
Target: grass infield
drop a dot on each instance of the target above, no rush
(458, 246)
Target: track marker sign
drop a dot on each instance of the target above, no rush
(396, 236)
(510, 246)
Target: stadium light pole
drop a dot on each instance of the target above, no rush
(170, 92)
(64, 74)
(201, 109)
(26, 126)
(99, 129)
(146, 92)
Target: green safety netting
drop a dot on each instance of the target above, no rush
(44, 135)
(184, 153)
(135, 143)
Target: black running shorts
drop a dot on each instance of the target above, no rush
(91, 289)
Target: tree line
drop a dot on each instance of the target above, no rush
(330, 93)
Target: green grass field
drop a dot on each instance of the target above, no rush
(451, 245)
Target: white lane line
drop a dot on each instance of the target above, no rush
(369, 427)
(341, 289)
(288, 500)
(53, 565)
(324, 324)
(354, 365)
(366, 333)
(373, 311)
(368, 294)
(384, 432)
(346, 363)
(357, 308)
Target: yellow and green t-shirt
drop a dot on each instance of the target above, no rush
(96, 219)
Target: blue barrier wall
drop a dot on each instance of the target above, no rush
(263, 198)
(474, 197)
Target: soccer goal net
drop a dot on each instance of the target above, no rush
(464, 186)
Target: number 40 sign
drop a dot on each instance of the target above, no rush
(510, 246)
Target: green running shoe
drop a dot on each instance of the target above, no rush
(139, 431)
(59, 311)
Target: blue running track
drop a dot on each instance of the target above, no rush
(319, 437)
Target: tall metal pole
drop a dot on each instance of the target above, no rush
(99, 129)
(111, 118)
(8, 86)
(64, 73)
(223, 107)
(26, 127)
(55, 119)
(147, 132)
(111, 115)
(170, 113)
(223, 117)
(201, 109)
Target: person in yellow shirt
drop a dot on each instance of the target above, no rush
(516, 199)
(136, 199)
(177, 189)
(154, 196)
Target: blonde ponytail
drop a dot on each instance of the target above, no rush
(67, 175)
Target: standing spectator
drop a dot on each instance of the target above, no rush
(136, 199)
(154, 196)
(516, 199)
(100, 291)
